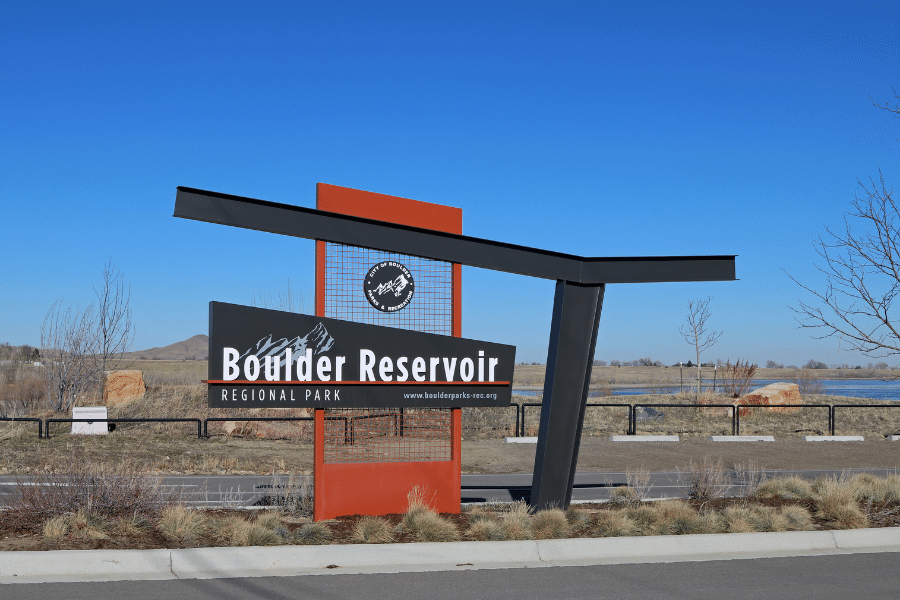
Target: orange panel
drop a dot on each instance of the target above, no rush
(381, 488)
(391, 209)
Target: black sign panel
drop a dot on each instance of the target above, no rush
(261, 358)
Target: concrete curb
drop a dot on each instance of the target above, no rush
(833, 438)
(741, 438)
(282, 561)
(644, 438)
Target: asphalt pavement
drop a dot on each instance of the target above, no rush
(245, 491)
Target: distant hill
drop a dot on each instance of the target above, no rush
(195, 348)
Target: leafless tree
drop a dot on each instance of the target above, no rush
(114, 332)
(67, 344)
(696, 332)
(861, 270)
(287, 300)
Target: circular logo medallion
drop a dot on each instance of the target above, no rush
(389, 286)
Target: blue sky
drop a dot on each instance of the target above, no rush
(593, 128)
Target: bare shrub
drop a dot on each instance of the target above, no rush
(737, 378)
(372, 530)
(312, 534)
(639, 481)
(706, 480)
(550, 524)
(750, 476)
(104, 491)
(293, 494)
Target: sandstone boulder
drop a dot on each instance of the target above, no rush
(768, 397)
(771, 396)
(120, 387)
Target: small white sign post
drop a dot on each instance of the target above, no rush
(97, 425)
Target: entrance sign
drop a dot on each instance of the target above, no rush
(260, 358)
(580, 287)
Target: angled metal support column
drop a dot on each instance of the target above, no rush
(573, 337)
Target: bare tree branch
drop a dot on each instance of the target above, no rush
(114, 332)
(695, 331)
(862, 276)
(67, 338)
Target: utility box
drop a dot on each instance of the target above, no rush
(97, 424)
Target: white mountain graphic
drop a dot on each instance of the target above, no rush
(318, 339)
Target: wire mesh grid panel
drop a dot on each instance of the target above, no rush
(388, 435)
(429, 311)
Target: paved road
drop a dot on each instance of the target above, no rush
(819, 577)
(248, 490)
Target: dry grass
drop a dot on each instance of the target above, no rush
(181, 524)
(789, 488)
(611, 523)
(706, 480)
(372, 530)
(312, 534)
(550, 524)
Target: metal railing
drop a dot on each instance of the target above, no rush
(206, 422)
(735, 422)
(834, 408)
(30, 420)
(148, 420)
(518, 425)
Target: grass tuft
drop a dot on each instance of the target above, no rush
(611, 523)
(549, 524)
(181, 524)
(372, 530)
(312, 534)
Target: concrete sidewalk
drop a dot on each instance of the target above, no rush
(282, 561)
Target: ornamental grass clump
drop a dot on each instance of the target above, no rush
(610, 523)
(836, 503)
(372, 530)
(789, 488)
(516, 524)
(181, 524)
(674, 517)
(312, 534)
(550, 524)
(423, 522)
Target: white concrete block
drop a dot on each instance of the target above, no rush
(522, 440)
(893, 438)
(833, 438)
(741, 438)
(644, 438)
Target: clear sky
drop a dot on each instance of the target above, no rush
(593, 128)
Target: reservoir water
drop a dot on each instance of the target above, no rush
(874, 389)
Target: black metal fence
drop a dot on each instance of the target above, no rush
(632, 416)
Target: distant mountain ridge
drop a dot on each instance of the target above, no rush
(194, 348)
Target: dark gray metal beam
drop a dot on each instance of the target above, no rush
(285, 219)
(573, 338)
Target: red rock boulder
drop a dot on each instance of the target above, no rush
(120, 387)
